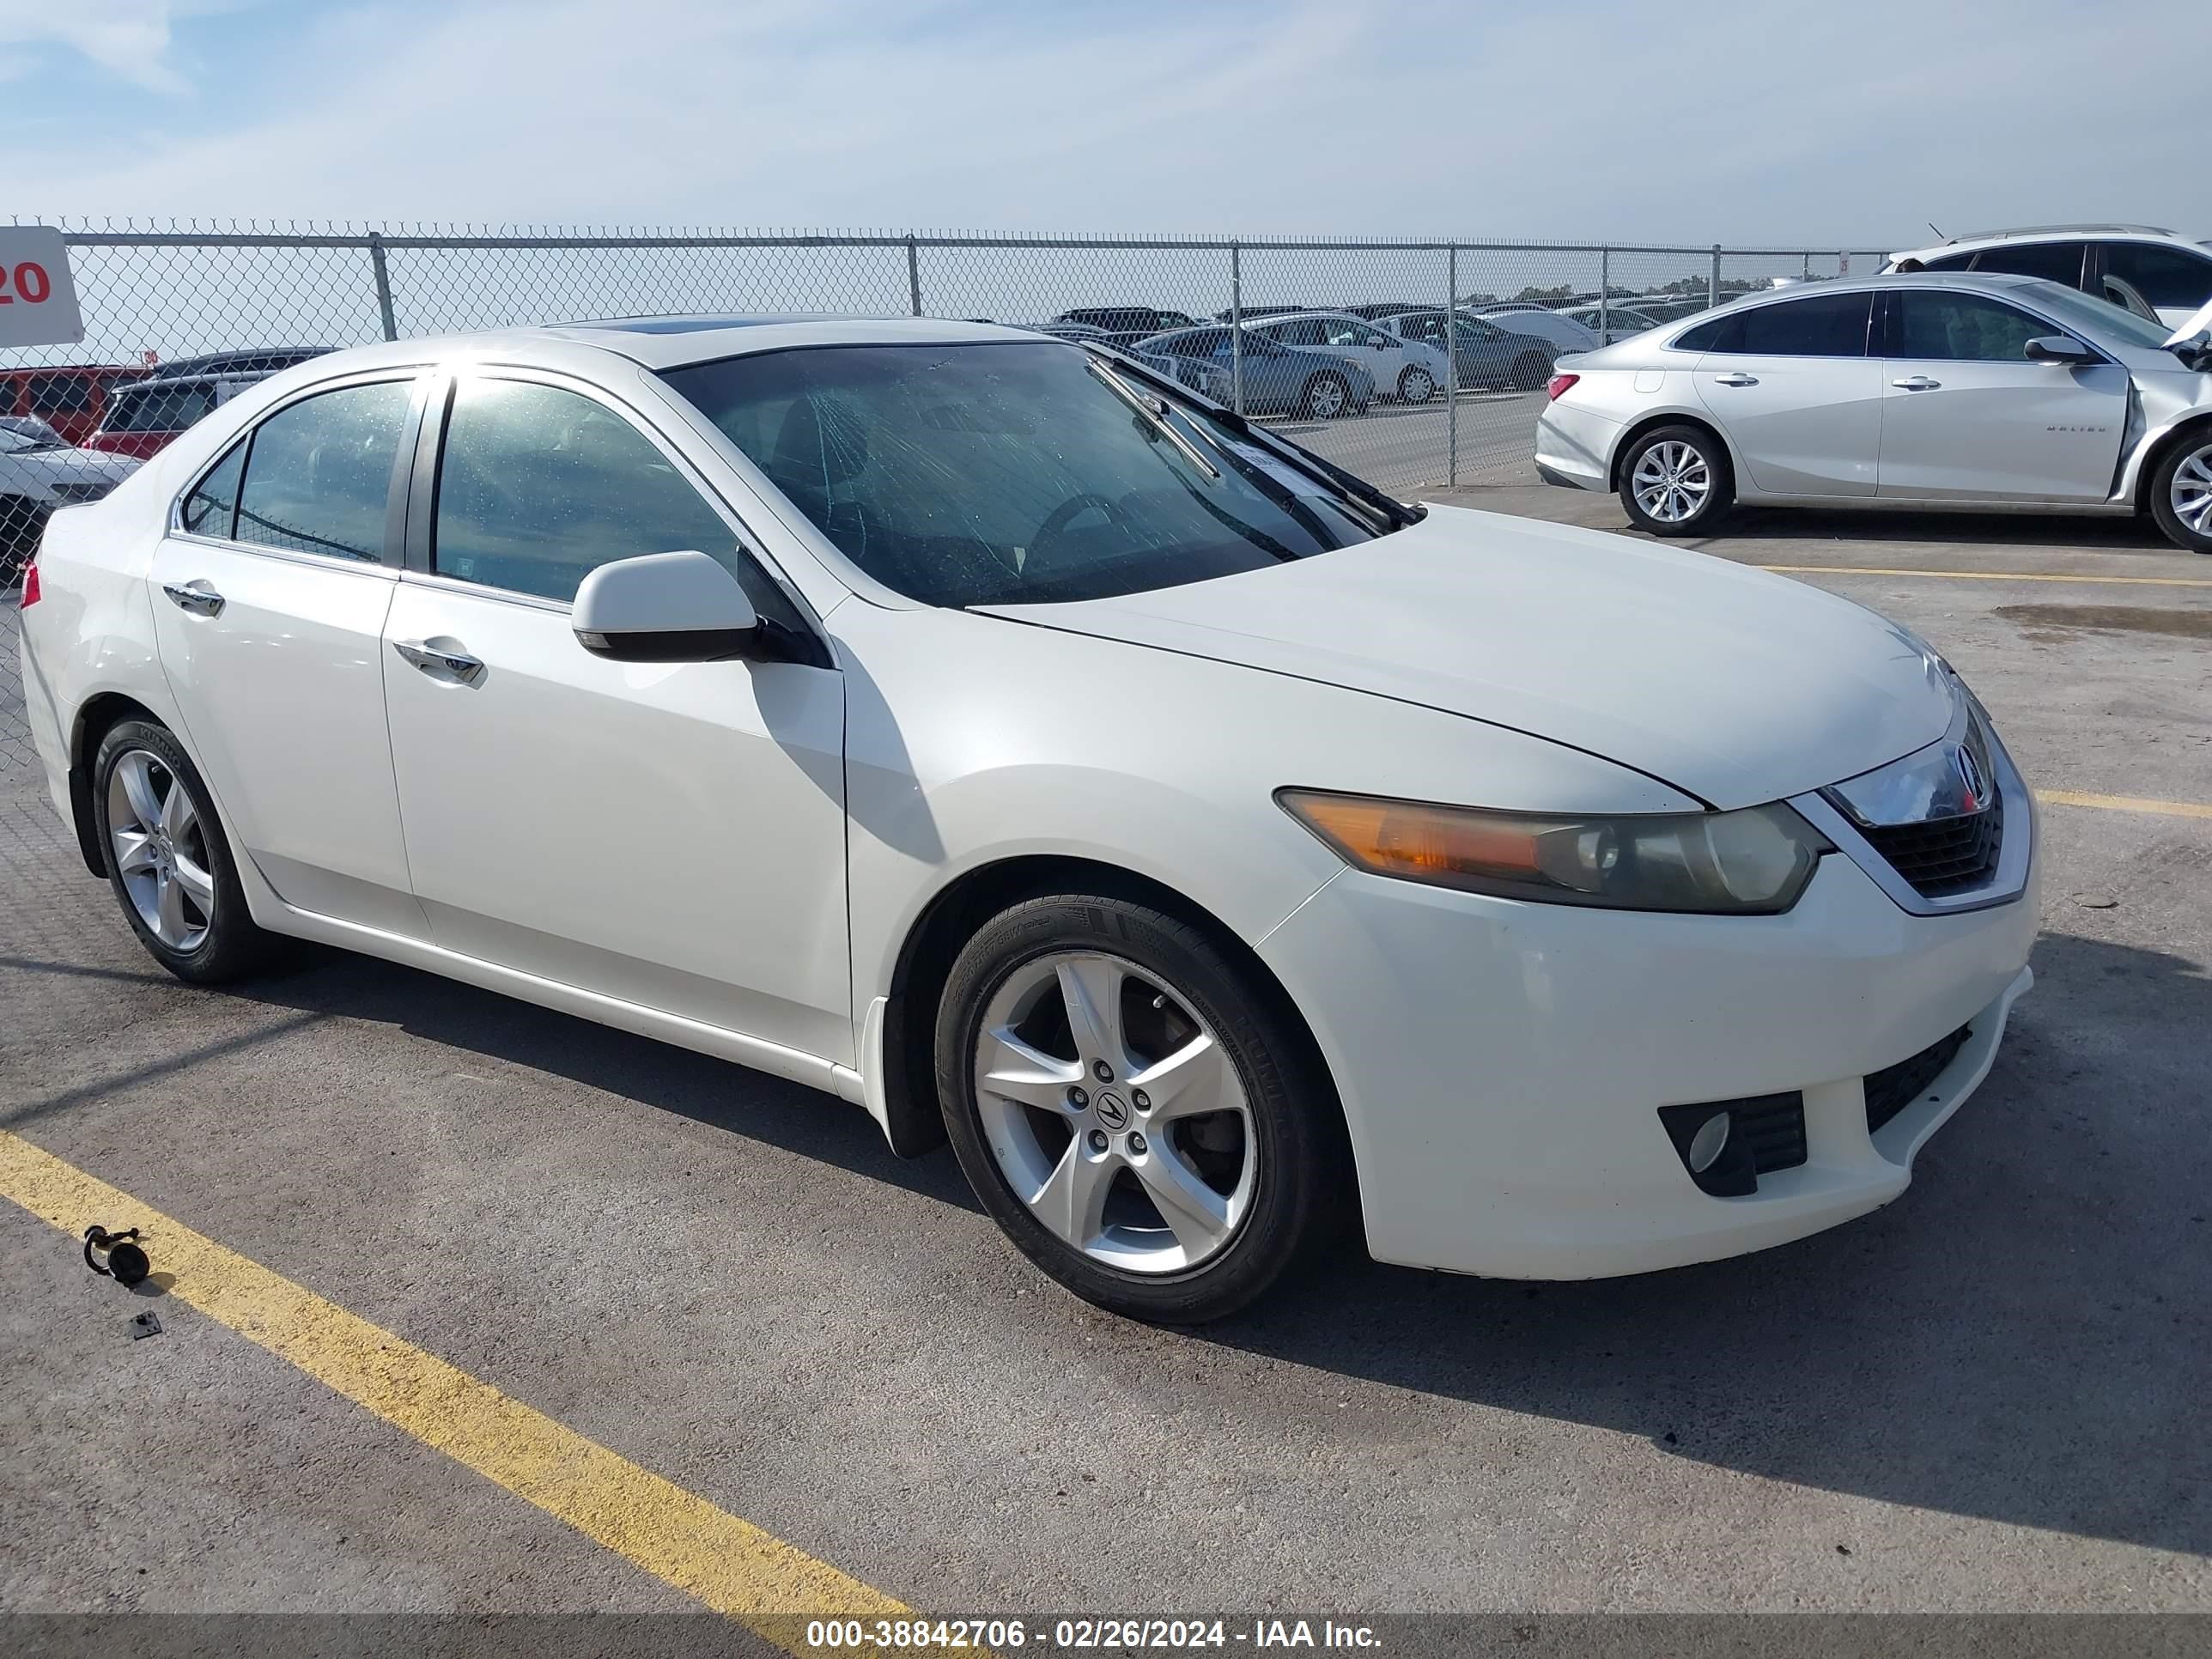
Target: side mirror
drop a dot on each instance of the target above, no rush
(664, 607)
(2059, 349)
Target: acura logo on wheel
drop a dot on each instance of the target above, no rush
(1970, 776)
(1113, 1112)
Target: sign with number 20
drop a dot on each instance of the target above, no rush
(38, 299)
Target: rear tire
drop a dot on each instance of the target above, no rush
(1326, 396)
(1416, 384)
(168, 859)
(1674, 481)
(1181, 1205)
(2181, 492)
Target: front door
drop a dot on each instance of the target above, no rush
(269, 601)
(1794, 388)
(671, 835)
(1967, 416)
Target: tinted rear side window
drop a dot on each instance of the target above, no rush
(318, 475)
(160, 408)
(2054, 262)
(1825, 326)
(2167, 276)
(212, 508)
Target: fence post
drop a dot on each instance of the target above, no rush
(1808, 275)
(1451, 362)
(383, 286)
(1713, 283)
(1236, 323)
(913, 275)
(1605, 296)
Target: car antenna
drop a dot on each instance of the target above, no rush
(1939, 234)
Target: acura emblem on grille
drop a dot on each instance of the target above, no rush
(1970, 777)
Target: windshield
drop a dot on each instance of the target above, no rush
(987, 474)
(2072, 306)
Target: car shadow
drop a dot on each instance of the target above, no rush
(2023, 1337)
(2088, 535)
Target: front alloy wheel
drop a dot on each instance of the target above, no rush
(1416, 386)
(1137, 1107)
(2181, 494)
(1114, 1114)
(1326, 397)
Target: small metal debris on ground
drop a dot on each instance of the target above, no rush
(145, 1325)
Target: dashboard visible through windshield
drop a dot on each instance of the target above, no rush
(990, 472)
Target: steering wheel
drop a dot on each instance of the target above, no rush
(1056, 521)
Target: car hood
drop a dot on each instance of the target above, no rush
(1728, 683)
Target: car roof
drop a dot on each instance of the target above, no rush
(1974, 241)
(662, 343)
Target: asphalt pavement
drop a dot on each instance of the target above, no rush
(1991, 1395)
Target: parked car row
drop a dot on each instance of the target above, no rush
(40, 471)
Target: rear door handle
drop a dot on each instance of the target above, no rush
(1916, 383)
(195, 596)
(1737, 379)
(435, 662)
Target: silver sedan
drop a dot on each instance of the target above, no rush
(1920, 391)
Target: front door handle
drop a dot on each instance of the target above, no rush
(1916, 383)
(1739, 378)
(434, 661)
(195, 596)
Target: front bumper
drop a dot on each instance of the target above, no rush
(1502, 1063)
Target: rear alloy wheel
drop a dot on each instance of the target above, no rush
(2181, 493)
(1146, 1129)
(1326, 397)
(1530, 370)
(166, 858)
(1416, 384)
(1675, 481)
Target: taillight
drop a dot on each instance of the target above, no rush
(1559, 384)
(30, 585)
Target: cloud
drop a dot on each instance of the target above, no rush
(130, 39)
(1765, 122)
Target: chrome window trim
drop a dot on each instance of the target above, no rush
(1822, 810)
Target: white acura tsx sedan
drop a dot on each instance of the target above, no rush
(977, 728)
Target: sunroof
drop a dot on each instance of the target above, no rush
(677, 325)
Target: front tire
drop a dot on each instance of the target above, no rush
(167, 860)
(1674, 481)
(1416, 384)
(1148, 1126)
(1530, 370)
(1326, 397)
(2181, 493)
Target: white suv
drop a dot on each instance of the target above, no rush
(2141, 268)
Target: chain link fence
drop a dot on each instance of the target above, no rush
(1428, 372)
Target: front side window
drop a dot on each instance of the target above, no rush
(539, 486)
(2054, 262)
(318, 472)
(1959, 328)
(990, 474)
(2172, 277)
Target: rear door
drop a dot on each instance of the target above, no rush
(1967, 416)
(1794, 388)
(670, 835)
(269, 597)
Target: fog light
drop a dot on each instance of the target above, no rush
(1709, 1143)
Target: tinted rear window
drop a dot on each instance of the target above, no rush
(1823, 325)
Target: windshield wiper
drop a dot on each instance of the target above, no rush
(1155, 411)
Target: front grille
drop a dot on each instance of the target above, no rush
(1943, 855)
(1894, 1088)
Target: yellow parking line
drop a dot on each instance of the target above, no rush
(1987, 575)
(2172, 809)
(732, 1566)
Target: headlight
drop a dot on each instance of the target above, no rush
(1752, 862)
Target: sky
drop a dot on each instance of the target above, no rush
(1771, 123)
